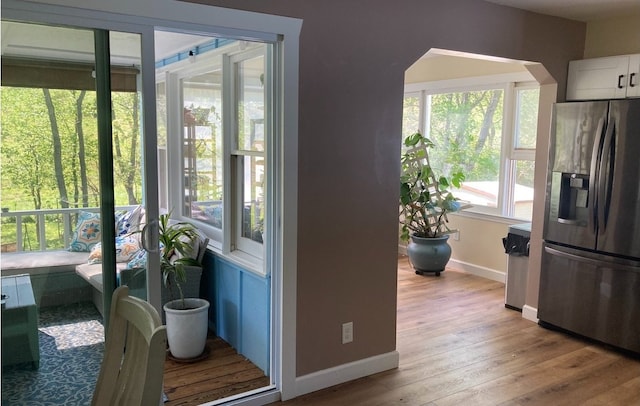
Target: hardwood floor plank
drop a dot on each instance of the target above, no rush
(235, 366)
(234, 377)
(219, 393)
(625, 394)
(588, 383)
(459, 345)
(216, 360)
(512, 385)
(222, 373)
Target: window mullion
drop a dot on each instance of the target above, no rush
(228, 129)
(425, 113)
(505, 177)
(510, 188)
(174, 147)
(271, 154)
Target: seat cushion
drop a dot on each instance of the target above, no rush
(40, 262)
(92, 273)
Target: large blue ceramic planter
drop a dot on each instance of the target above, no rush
(429, 254)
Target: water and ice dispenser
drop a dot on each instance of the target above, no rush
(573, 199)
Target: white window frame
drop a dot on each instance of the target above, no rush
(510, 84)
(173, 75)
(238, 242)
(226, 241)
(514, 153)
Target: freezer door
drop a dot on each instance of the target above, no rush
(591, 296)
(576, 139)
(619, 189)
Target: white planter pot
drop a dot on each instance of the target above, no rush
(187, 329)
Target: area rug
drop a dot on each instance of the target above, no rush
(71, 347)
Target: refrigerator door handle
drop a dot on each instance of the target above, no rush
(587, 260)
(596, 156)
(605, 176)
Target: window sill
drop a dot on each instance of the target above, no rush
(495, 218)
(240, 259)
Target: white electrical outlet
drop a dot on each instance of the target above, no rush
(456, 236)
(347, 332)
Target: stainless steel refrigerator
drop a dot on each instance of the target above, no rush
(590, 275)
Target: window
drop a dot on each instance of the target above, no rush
(202, 147)
(486, 132)
(248, 153)
(218, 137)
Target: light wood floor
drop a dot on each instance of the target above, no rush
(459, 345)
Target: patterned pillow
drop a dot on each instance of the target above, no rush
(126, 249)
(87, 232)
(127, 220)
(139, 260)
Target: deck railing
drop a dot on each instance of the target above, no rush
(40, 220)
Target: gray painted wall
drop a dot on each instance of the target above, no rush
(352, 61)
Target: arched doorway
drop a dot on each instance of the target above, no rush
(519, 178)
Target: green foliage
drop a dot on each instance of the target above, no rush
(176, 240)
(27, 160)
(54, 232)
(424, 197)
(466, 128)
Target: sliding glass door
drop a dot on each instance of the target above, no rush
(190, 123)
(72, 162)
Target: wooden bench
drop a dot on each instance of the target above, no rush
(53, 277)
(137, 281)
(19, 322)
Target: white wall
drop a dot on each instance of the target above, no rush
(444, 67)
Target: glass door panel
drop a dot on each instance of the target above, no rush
(49, 137)
(54, 156)
(128, 161)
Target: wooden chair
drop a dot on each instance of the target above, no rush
(135, 351)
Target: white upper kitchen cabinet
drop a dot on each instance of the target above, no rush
(614, 77)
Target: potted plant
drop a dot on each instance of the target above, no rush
(186, 318)
(425, 200)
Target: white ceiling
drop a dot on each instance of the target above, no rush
(69, 44)
(581, 10)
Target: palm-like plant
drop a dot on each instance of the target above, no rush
(425, 198)
(177, 244)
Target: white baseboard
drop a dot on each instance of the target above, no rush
(477, 270)
(530, 313)
(467, 267)
(347, 372)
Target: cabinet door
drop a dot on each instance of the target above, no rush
(634, 76)
(598, 78)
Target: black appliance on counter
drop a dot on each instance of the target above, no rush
(590, 274)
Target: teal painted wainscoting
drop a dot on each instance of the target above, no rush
(240, 304)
